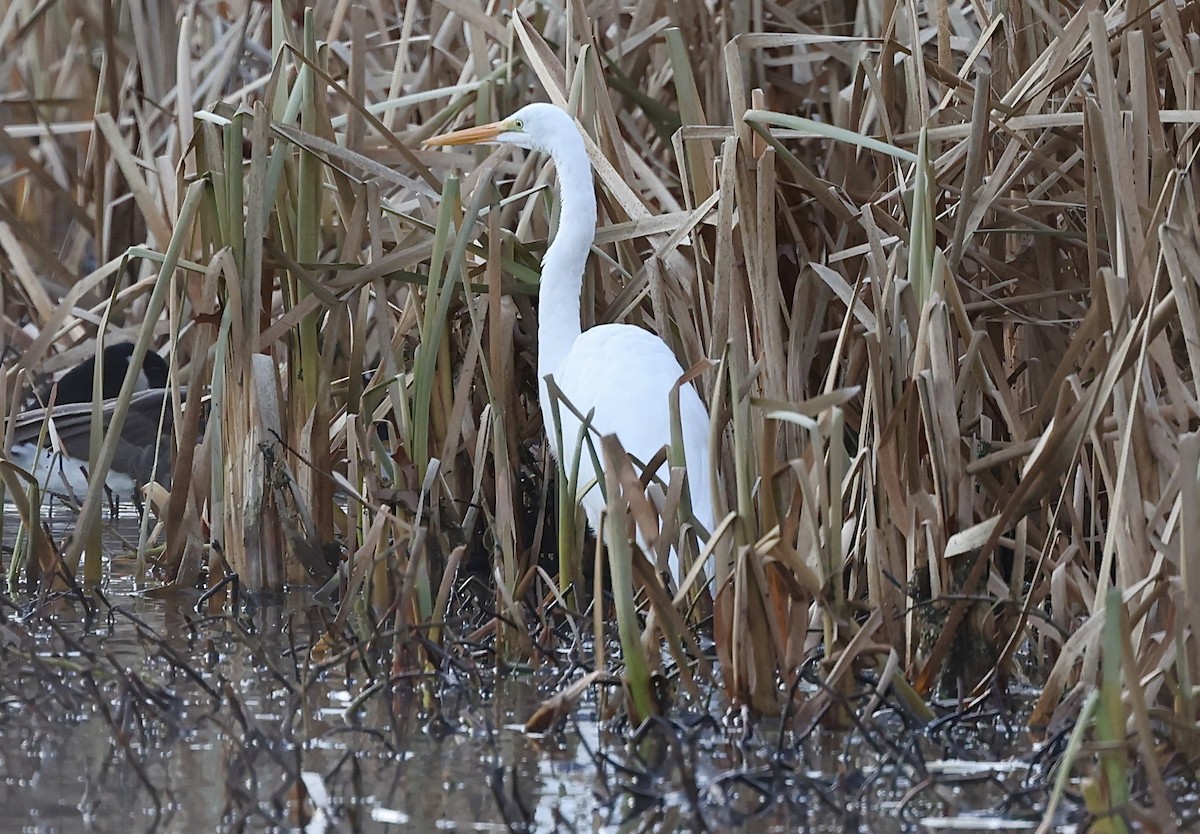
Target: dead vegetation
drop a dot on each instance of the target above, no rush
(944, 260)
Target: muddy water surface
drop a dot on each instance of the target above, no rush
(130, 712)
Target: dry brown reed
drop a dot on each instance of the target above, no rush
(944, 259)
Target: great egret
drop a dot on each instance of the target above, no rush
(62, 468)
(620, 373)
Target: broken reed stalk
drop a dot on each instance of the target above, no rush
(971, 238)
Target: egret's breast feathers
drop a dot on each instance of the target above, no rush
(623, 376)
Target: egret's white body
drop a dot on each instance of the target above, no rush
(625, 374)
(621, 374)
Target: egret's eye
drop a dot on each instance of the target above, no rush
(518, 124)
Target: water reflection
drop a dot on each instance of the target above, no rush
(142, 713)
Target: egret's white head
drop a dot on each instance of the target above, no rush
(536, 127)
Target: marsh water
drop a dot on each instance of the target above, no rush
(126, 711)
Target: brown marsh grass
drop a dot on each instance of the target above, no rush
(943, 259)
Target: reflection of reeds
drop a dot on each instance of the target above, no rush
(949, 293)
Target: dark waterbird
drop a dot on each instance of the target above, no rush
(54, 443)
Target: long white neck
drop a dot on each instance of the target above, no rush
(562, 267)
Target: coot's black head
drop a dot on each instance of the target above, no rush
(75, 386)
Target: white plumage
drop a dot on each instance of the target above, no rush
(626, 374)
(60, 474)
(142, 450)
(621, 373)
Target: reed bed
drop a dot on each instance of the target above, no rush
(933, 267)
